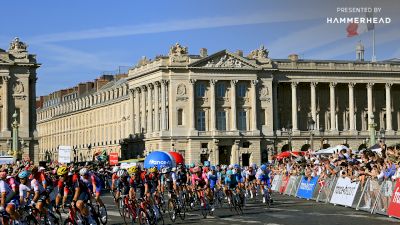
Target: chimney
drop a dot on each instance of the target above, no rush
(203, 52)
(240, 53)
(293, 57)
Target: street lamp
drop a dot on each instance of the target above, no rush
(311, 124)
(15, 150)
(321, 132)
(372, 138)
(382, 135)
(289, 130)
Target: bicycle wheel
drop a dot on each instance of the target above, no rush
(30, 220)
(267, 198)
(127, 215)
(120, 204)
(172, 209)
(182, 209)
(203, 207)
(159, 215)
(238, 205)
(103, 216)
(66, 222)
(144, 217)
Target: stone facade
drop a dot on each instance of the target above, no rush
(18, 94)
(227, 108)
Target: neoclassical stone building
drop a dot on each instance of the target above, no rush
(18, 95)
(228, 108)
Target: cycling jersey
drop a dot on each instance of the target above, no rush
(212, 179)
(231, 181)
(251, 175)
(201, 181)
(92, 180)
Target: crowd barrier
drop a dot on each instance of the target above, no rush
(371, 195)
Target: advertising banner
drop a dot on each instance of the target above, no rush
(344, 192)
(64, 154)
(113, 158)
(307, 187)
(284, 184)
(394, 204)
(275, 182)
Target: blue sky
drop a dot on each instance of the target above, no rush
(76, 41)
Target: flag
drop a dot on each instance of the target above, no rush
(321, 185)
(354, 29)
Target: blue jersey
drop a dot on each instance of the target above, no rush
(212, 179)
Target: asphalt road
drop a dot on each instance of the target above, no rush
(284, 211)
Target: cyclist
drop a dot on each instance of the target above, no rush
(120, 184)
(9, 197)
(230, 184)
(93, 183)
(24, 190)
(263, 179)
(212, 182)
(250, 179)
(137, 182)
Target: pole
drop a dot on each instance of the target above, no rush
(373, 46)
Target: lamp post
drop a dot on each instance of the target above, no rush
(382, 135)
(289, 130)
(311, 124)
(372, 135)
(321, 133)
(15, 148)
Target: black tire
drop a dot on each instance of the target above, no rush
(30, 220)
(171, 206)
(203, 208)
(239, 206)
(102, 221)
(127, 215)
(68, 222)
(143, 218)
(182, 209)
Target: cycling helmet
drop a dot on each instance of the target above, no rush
(263, 167)
(230, 167)
(133, 169)
(212, 168)
(153, 169)
(254, 166)
(235, 171)
(191, 165)
(121, 173)
(229, 172)
(206, 163)
(236, 166)
(115, 169)
(61, 171)
(173, 169)
(83, 171)
(166, 170)
(23, 174)
(223, 167)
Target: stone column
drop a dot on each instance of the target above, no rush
(332, 86)
(163, 105)
(5, 104)
(275, 106)
(369, 97)
(149, 109)
(192, 119)
(388, 107)
(137, 111)
(156, 107)
(254, 105)
(233, 105)
(213, 115)
(143, 106)
(351, 107)
(313, 103)
(294, 106)
(132, 110)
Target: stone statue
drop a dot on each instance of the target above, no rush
(181, 90)
(18, 87)
(143, 61)
(259, 54)
(17, 45)
(178, 50)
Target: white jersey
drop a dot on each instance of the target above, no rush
(5, 188)
(37, 186)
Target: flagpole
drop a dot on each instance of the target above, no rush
(373, 45)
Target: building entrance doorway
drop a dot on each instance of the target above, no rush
(204, 157)
(224, 155)
(245, 159)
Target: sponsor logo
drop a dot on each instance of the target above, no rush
(307, 186)
(396, 196)
(157, 162)
(345, 190)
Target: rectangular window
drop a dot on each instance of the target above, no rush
(180, 116)
(201, 120)
(242, 120)
(221, 90)
(241, 91)
(221, 120)
(200, 90)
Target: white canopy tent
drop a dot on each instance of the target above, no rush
(332, 150)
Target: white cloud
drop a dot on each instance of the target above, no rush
(173, 25)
